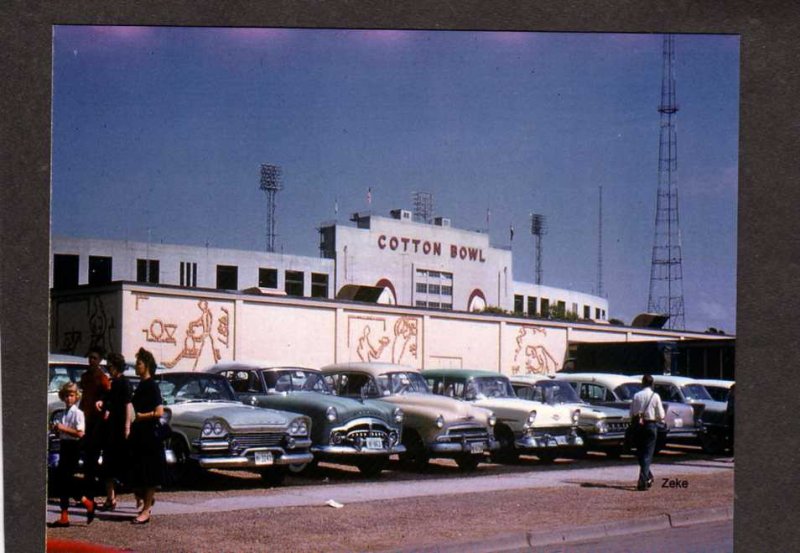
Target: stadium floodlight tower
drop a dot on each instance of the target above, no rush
(271, 184)
(666, 270)
(538, 229)
(423, 206)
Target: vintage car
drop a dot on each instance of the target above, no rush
(683, 424)
(602, 428)
(717, 389)
(523, 426)
(62, 369)
(360, 432)
(685, 390)
(433, 426)
(212, 429)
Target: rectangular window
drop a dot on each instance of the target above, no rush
(433, 288)
(65, 271)
(447, 306)
(422, 288)
(268, 278)
(434, 304)
(603, 314)
(519, 303)
(294, 283)
(99, 270)
(422, 303)
(596, 312)
(147, 270)
(447, 290)
(319, 285)
(561, 306)
(227, 277)
(531, 306)
(188, 274)
(434, 274)
(545, 307)
(422, 273)
(587, 312)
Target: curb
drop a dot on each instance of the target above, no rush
(522, 541)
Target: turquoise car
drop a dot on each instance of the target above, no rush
(362, 432)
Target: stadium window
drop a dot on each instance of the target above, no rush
(319, 285)
(147, 270)
(65, 271)
(99, 270)
(294, 283)
(532, 306)
(227, 277)
(268, 278)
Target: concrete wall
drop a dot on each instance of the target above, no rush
(190, 329)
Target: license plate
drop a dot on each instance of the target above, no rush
(264, 458)
(677, 423)
(374, 443)
(561, 440)
(476, 448)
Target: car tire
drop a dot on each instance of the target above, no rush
(303, 468)
(274, 476)
(184, 470)
(506, 452)
(416, 456)
(373, 467)
(547, 457)
(468, 462)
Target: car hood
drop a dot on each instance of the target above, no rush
(316, 404)
(235, 414)
(435, 405)
(515, 409)
(598, 412)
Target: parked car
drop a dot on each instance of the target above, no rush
(523, 426)
(602, 428)
(62, 369)
(683, 423)
(361, 432)
(717, 389)
(212, 429)
(433, 426)
(685, 390)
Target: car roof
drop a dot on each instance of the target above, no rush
(713, 382)
(671, 379)
(529, 378)
(370, 368)
(246, 365)
(66, 359)
(461, 373)
(607, 379)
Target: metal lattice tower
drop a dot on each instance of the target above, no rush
(538, 229)
(666, 270)
(600, 291)
(271, 184)
(423, 206)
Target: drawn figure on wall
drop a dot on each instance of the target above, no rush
(100, 326)
(405, 338)
(222, 327)
(366, 351)
(198, 336)
(531, 354)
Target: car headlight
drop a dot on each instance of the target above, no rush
(166, 417)
(214, 429)
(492, 420)
(440, 421)
(601, 426)
(531, 418)
(576, 415)
(397, 414)
(298, 427)
(331, 414)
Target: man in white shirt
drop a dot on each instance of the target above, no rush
(647, 409)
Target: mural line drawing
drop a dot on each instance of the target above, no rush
(199, 338)
(532, 354)
(402, 339)
(160, 332)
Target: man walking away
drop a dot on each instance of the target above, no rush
(646, 412)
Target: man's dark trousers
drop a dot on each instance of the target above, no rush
(645, 449)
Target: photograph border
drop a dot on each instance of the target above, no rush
(767, 290)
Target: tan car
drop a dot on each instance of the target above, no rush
(433, 426)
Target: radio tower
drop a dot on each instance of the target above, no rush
(423, 206)
(538, 230)
(666, 271)
(271, 184)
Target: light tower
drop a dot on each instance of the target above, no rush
(423, 206)
(600, 291)
(666, 270)
(271, 184)
(538, 229)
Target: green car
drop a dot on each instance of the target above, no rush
(361, 432)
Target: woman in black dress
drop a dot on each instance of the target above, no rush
(147, 450)
(116, 428)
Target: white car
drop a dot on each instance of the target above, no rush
(717, 389)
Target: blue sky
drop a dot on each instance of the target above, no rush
(161, 131)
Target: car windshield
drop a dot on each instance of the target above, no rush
(182, 388)
(695, 392)
(625, 392)
(61, 374)
(402, 383)
(488, 386)
(553, 392)
(352, 384)
(296, 380)
(718, 393)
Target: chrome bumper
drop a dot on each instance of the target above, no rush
(339, 450)
(548, 441)
(462, 447)
(247, 460)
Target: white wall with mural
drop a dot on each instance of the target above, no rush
(189, 329)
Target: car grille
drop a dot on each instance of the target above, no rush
(250, 440)
(467, 434)
(368, 431)
(555, 431)
(617, 426)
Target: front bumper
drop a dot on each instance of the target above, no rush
(549, 439)
(217, 454)
(604, 440)
(474, 447)
(328, 451)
